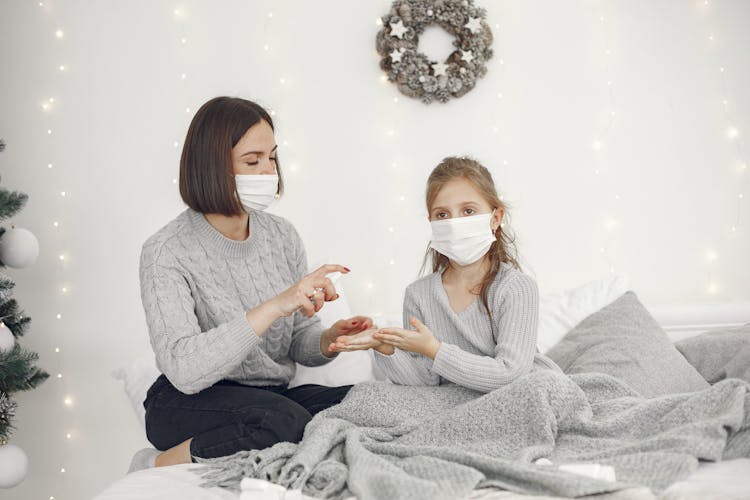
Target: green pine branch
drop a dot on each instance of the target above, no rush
(11, 202)
(18, 371)
(6, 283)
(14, 318)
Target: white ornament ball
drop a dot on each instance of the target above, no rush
(7, 340)
(18, 248)
(13, 465)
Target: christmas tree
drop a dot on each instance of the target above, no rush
(17, 365)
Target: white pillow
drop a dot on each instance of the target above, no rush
(560, 312)
(137, 377)
(347, 368)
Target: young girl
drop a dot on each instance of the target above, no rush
(474, 319)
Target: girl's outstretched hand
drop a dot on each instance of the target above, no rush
(420, 340)
(343, 328)
(360, 342)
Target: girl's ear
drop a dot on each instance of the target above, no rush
(497, 218)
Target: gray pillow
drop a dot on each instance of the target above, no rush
(719, 354)
(625, 341)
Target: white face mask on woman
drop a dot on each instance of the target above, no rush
(463, 240)
(257, 192)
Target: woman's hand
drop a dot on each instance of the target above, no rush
(420, 340)
(360, 342)
(309, 293)
(343, 328)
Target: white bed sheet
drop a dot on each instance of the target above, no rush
(729, 480)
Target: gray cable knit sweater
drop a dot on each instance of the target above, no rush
(197, 285)
(469, 355)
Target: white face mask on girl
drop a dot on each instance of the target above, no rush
(463, 240)
(257, 192)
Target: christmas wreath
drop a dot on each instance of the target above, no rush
(414, 74)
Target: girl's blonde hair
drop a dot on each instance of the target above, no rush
(503, 249)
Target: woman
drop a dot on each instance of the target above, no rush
(228, 301)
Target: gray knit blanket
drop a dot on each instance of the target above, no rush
(390, 442)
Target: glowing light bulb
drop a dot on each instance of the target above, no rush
(59, 33)
(597, 145)
(49, 165)
(187, 109)
(266, 47)
(499, 95)
(59, 375)
(183, 76)
(174, 181)
(56, 224)
(712, 288)
(62, 67)
(64, 290)
(68, 435)
(391, 229)
(49, 131)
(183, 40)
(61, 257)
(282, 81)
(68, 401)
(59, 316)
(711, 38)
(62, 470)
(176, 144)
(57, 349)
(62, 193)
(270, 15)
(732, 132)
(370, 285)
(711, 256)
(391, 262)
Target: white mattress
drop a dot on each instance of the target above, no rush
(728, 480)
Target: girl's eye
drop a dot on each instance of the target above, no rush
(441, 215)
(469, 211)
(251, 163)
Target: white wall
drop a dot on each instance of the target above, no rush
(668, 172)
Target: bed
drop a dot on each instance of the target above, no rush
(559, 313)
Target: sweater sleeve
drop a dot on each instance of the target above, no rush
(191, 359)
(515, 317)
(305, 346)
(408, 368)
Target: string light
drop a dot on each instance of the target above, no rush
(734, 138)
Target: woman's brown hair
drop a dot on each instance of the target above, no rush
(207, 182)
(503, 249)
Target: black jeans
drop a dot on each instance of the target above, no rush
(229, 417)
